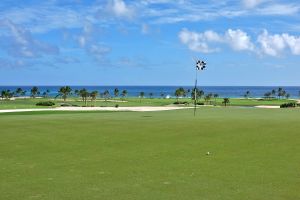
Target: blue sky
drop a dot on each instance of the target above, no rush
(149, 42)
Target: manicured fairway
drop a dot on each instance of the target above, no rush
(255, 155)
(31, 103)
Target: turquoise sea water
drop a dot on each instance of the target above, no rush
(133, 91)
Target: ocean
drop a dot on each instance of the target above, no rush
(134, 91)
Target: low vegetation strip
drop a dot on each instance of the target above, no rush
(136, 102)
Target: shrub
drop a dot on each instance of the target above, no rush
(45, 103)
(180, 102)
(288, 105)
(117, 106)
(200, 103)
(65, 104)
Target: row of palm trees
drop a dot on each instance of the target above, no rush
(63, 92)
(66, 91)
(181, 92)
(279, 93)
(34, 92)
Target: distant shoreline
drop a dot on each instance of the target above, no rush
(151, 85)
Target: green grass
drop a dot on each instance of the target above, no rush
(255, 154)
(31, 103)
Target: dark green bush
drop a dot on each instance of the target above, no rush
(117, 106)
(45, 103)
(200, 103)
(65, 105)
(288, 105)
(181, 102)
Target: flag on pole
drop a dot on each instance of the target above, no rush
(200, 65)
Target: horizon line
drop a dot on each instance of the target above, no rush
(149, 85)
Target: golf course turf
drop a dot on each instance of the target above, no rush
(254, 154)
(128, 102)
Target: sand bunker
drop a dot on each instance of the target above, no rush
(137, 109)
(267, 107)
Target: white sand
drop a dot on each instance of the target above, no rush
(23, 97)
(267, 107)
(137, 109)
(111, 100)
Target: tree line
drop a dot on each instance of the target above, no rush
(66, 91)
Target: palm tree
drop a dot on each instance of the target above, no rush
(46, 93)
(150, 95)
(106, 94)
(6, 94)
(19, 91)
(283, 93)
(188, 91)
(279, 94)
(76, 92)
(142, 94)
(94, 95)
(287, 96)
(267, 95)
(116, 92)
(273, 92)
(180, 92)
(208, 97)
(34, 91)
(84, 95)
(65, 92)
(215, 97)
(199, 94)
(124, 94)
(23, 93)
(177, 94)
(226, 101)
(2, 94)
(247, 94)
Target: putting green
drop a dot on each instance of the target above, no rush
(254, 154)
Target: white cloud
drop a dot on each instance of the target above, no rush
(199, 41)
(19, 42)
(120, 9)
(212, 36)
(252, 3)
(48, 15)
(45, 17)
(279, 9)
(236, 39)
(274, 45)
(271, 45)
(88, 40)
(293, 42)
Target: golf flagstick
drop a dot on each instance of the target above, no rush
(200, 65)
(195, 93)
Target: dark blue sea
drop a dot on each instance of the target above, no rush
(133, 91)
